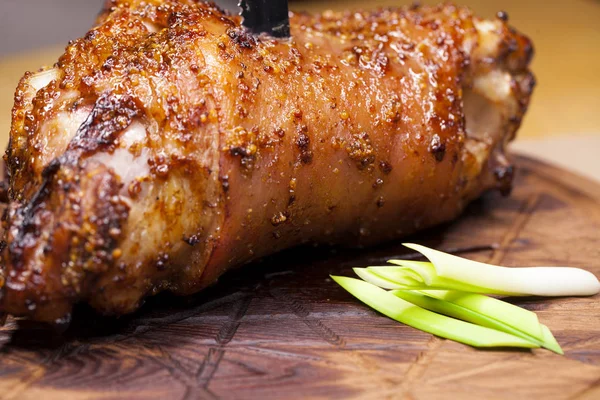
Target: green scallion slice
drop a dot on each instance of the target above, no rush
(484, 311)
(410, 314)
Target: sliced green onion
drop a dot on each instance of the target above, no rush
(394, 282)
(484, 311)
(450, 286)
(396, 278)
(509, 314)
(550, 341)
(402, 311)
(446, 271)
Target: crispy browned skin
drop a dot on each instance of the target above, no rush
(169, 145)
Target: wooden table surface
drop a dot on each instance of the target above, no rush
(271, 331)
(281, 329)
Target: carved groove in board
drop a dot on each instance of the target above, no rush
(519, 223)
(230, 327)
(210, 366)
(282, 354)
(225, 335)
(188, 378)
(301, 312)
(192, 351)
(418, 367)
(148, 324)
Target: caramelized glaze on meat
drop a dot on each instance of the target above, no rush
(169, 144)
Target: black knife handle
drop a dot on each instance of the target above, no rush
(266, 16)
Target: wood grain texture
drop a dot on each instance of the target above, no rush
(282, 329)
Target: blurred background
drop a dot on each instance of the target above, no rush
(563, 123)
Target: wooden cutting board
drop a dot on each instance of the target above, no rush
(282, 329)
